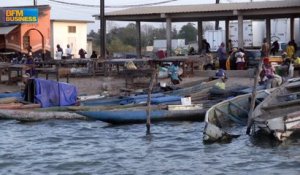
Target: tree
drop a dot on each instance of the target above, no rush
(188, 32)
(116, 45)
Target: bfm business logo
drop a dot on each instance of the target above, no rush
(17, 15)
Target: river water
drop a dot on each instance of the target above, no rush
(92, 147)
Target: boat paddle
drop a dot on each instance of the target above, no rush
(253, 97)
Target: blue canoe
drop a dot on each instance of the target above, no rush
(11, 94)
(140, 116)
(157, 98)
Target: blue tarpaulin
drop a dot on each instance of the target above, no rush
(50, 93)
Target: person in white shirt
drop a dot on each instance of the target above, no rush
(59, 52)
(240, 60)
(68, 52)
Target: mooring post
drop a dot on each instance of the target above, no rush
(148, 124)
(253, 97)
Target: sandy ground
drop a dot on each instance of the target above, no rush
(99, 84)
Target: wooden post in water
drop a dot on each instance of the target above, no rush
(153, 75)
(253, 97)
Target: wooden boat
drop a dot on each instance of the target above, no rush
(279, 113)
(224, 117)
(188, 90)
(10, 94)
(139, 115)
(32, 116)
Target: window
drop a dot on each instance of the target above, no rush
(72, 29)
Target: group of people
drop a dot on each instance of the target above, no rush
(268, 74)
(231, 58)
(69, 54)
(291, 48)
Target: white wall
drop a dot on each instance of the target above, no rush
(162, 44)
(214, 38)
(61, 36)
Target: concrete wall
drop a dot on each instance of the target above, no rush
(62, 36)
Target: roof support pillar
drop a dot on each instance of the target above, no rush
(200, 35)
(139, 40)
(292, 22)
(268, 30)
(169, 37)
(240, 32)
(102, 30)
(217, 21)
(227, 32)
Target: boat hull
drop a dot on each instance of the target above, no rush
(279, 113)
(140, 116)
(222, 117)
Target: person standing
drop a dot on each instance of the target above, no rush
(82, 53)
(94, 54)
(265, 48)
(274, 47)
(295, 45)
(68, 52)
(222, 56)
(240, 60)
(290, 50)
(29, 51)
(206, 45)
(59, 52)
(229, 46)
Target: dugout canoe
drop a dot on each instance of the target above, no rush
(223, 121)
(33, 116)
(279, 113)
(139, 115)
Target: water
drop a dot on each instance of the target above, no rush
(89, 147)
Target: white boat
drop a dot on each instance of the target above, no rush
(279, 114)
(223, 118)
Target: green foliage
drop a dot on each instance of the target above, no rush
(116, 45)
(124, 39)
(188, 32)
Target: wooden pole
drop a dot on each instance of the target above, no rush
(253, 97)
(153, 75)
(102, 29)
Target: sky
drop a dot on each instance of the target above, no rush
(60, 11)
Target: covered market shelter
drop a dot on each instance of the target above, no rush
(264, 10)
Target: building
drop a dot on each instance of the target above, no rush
(42, 34)
(16, 35)
(72, 32)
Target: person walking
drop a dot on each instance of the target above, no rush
(222, 56)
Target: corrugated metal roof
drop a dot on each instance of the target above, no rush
(6, 30)
(205, 8)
